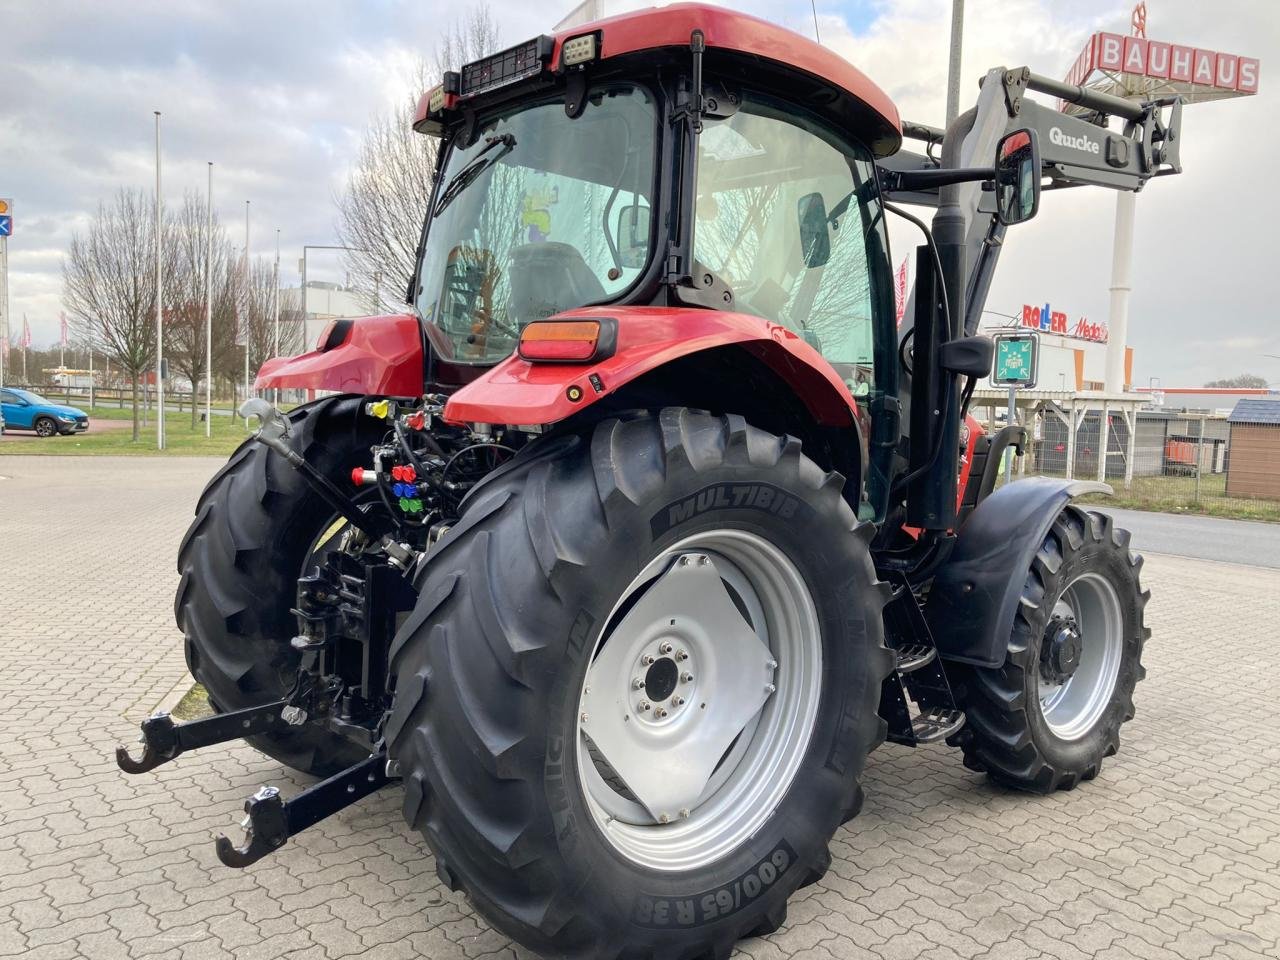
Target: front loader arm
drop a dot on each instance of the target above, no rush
(1073, 152)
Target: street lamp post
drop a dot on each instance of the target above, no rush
(159, 307)
(306, 333)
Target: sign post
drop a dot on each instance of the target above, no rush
(1016, 367)
(6, 229)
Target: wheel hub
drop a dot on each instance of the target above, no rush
(663, 688)
(1061, 650)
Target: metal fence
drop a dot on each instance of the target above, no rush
(1203, 463)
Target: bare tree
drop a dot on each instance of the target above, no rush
(1247, 380)
(109, 291)
(186, 290)
(381, 211)
(258, 316)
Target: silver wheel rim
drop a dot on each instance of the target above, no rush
(750, 703)
(1073, 708)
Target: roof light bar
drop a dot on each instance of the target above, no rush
(520, 62)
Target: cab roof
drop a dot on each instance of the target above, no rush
(738, 33)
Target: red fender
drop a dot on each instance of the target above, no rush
(379, 356)
(519, 392)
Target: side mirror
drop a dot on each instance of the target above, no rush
(815, 235)
(968, 356)
(1018, 177)
(633, 236)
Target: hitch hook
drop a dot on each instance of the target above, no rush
(266, 828)
(159, 745)
(163, 740)
(270, 820)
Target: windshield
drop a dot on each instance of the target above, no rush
(30, 397)
(539, 214)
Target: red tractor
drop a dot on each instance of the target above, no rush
(624, 546)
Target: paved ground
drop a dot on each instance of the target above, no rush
(1205, 538)
(1171, 852)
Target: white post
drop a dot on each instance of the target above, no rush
(208, 309)
(159, 306)
(1009, 422)
(302, 299)
(1121, 285)
(4, 302)
(275, 300)
(90, 379)
(1071, 443)
(1131, 419)
(953, 70)
(1104, 431)
(248, 292)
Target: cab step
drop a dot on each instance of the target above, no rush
(936, 723)
(914, 656)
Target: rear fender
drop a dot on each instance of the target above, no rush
(519, 392)
(974, 597)
(379, 356)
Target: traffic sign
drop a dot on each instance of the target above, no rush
(1017, 360)
(6, 226)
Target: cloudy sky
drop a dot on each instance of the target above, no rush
(277, 95)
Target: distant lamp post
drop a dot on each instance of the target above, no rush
(302, 297)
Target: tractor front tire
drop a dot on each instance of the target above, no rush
(1032, 724)
(256, 523)
(531, 590)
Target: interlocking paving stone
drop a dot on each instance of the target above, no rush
(1172, 852)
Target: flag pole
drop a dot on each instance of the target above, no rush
(275, 306)
(208, 309)
(159, 307)
(247, 293)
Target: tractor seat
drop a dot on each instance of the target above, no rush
(548, 278)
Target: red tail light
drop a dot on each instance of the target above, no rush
(568, 341)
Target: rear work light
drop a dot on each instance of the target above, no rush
(522, 61)
(578, 50)
(568, 341)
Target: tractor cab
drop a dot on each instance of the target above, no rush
(580, 170)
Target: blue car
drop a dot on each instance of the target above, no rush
(24, 410)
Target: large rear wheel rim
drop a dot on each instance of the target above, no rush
(756, 769)
(1072, 708)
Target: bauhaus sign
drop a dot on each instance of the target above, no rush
(1047, 320)
(1138, 56)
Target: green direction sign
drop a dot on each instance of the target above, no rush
(1017, 359)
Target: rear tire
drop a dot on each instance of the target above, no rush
(491, 667)
(240, 560)
(1027, 729)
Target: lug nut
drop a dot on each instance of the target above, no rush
(637, 683)
(660, 713)
(677, 701)
(643, 705)
(769, 688)
(583, 717)
(686, 678)
(665, 818)
(684, 561)
(684, 813)
(665, 648)
(647, 660)
(773, 664)
(681, 656)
